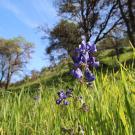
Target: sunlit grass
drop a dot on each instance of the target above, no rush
(110, 109)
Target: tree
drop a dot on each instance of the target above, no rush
(34, 74)
(2, 62)
(14, 55)
(65, 35)
(96, 18)
(127, 11)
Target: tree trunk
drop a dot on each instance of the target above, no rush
(2, 76)
(87, 36)
(131, 14)
(8, 75)
(129, 21)
(117, 53)
(8, 80)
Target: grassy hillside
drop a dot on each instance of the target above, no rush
(107, 107)
(109, 58)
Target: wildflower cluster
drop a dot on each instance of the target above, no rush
(63, 96)
(83, 59)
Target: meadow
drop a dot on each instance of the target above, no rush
(67, 67)
(105, 108)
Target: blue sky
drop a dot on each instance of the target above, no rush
(21, 17)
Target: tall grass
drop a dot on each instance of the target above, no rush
(109, 108)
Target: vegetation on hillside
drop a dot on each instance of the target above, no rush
(107, 107)
(101, 101)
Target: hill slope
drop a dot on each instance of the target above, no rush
(107, 107)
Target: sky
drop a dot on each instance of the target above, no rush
(21, 18)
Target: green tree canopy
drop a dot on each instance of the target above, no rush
(64, 35)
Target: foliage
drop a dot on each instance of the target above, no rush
(108, 109)
(14, 55)
(64, 35)
(127, 12)
(96, 18)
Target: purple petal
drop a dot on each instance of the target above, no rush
(66, 102)
(62, 95)
(82, 47)
(77, 73)
(89, 76)
(58, 101)
(95, 64)
(85, 57)
(77, 50)
(91, 47)
(91, 60)
(77, 60)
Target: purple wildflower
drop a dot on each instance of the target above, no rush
(77, 60)
(66, 102)
(91, 61)
(84, 57)
(58, 101)
(77, 73)
(69, 92)
(89, 76)
(82, 47)
(91, 47)
(62, 95)
(95, 64)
